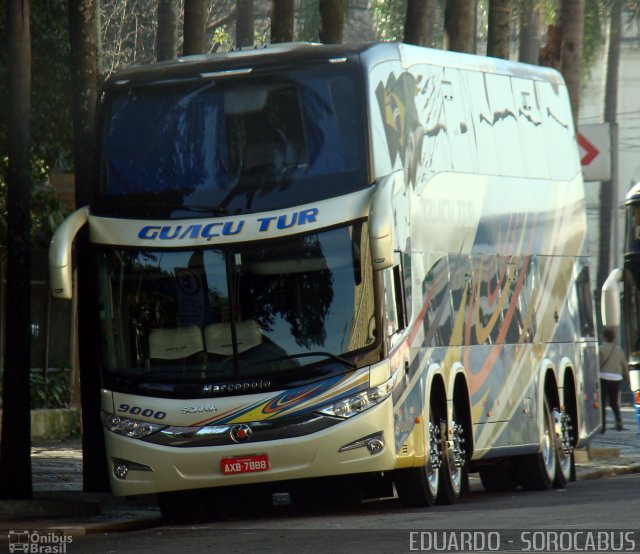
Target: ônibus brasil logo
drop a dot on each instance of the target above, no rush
(38, 542)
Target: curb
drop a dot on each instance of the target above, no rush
(108, 527)
(80, 530)
(612, 470)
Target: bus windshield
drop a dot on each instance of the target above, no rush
(237, 312)
(632, 307)
(232, 145)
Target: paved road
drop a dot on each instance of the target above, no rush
(62, 505)
(609, 506)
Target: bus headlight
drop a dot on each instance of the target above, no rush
(352, 405)
(129, 427)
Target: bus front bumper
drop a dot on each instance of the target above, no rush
(362, 444)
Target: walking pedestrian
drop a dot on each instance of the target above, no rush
(613, 369)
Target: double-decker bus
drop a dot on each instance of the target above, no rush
(329, 261)
(627, 298)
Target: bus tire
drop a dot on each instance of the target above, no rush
(454, 474)
(537, 472)
(418, 486)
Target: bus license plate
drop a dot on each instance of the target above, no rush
(244, 464)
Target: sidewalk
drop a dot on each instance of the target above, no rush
(613, 452)
(59, 503)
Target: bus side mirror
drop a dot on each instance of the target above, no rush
(61, 254)
(381, 224)
(610, 299)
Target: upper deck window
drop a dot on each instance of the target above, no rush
(235, 145)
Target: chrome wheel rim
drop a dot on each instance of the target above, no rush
(564, 433)
(435, 459)
(548, 443)
(456, 456)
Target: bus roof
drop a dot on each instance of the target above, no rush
(275, 55)
(288, 54)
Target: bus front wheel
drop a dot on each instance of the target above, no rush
(418, 486)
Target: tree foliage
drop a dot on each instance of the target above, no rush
(50, 90)
(129, 30)
(595, 20)
(388, 19)
(47, 210)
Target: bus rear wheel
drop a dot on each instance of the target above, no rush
(563, 448)
(454, 475)
(537, 472)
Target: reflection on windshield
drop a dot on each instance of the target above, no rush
(239, 311)
(238, 146)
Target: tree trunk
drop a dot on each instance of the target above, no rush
(166, 33)
(331, 26)
(529, 43)
(418, 25)
(15, 448)
(499, 34)
(194, 27)
(244, 23)
(608, 189)
(282, 20)
(572, 23)
(83, 36)
(460, 25)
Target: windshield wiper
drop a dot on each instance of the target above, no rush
(325, 354)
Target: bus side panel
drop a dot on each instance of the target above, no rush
(495, 175)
